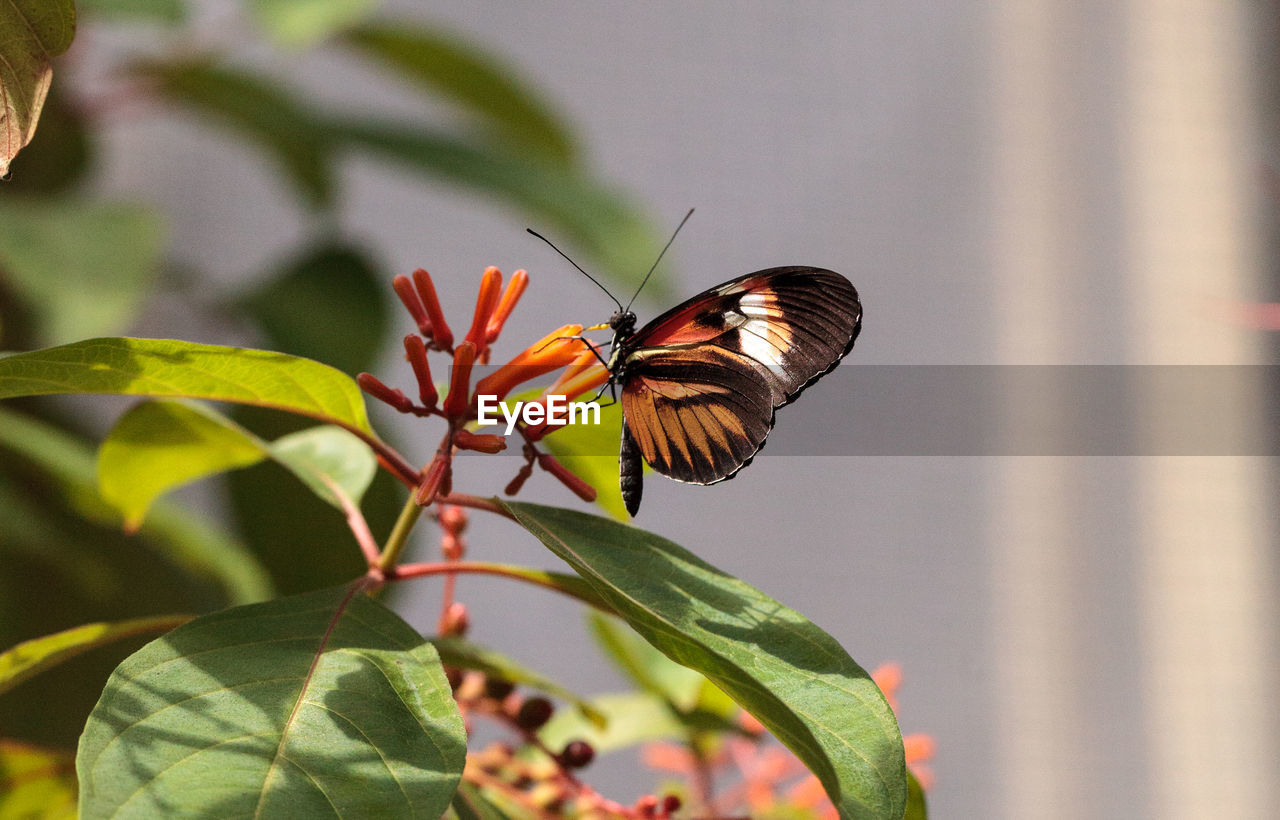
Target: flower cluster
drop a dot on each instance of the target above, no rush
(563, 349)
(545, 785)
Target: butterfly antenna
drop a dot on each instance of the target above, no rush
(576, 265)
(645, 281)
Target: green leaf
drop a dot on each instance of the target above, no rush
(447, 65)
(163, 12)
(266, 112)
(631, 718)
(158, 446)
(173, 369)
(34, 32)
(917, 807)
(793, 677)
(188, 541)
(36, 782)
(327, 304)
(302, 23)
(328, 451)
(650, 669)
(316, 705)
(29, 658)
(581, 448)
(564, 203)
(84, 268)
(464, 654)
(274, 513)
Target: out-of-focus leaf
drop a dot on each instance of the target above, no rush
(158, 446)
(649, 668)
(631, 718)
(84, 268)
(564, 203)
(60, 542)
(917, 806)
(188, 541)
(302, 23)
(327, 305)
(58, 155)
(444, 64)
(163, 12)
(464, 654)
(469, 803)
(32, 657)
(36, 783)
(793, 677)
(325, 704)
(34, 32)
(264, 111)
(171, 369)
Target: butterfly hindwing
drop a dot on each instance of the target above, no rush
(701, 382)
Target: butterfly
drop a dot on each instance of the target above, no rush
(701, 383)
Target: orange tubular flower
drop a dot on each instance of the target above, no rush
(549, 353)
(519, 281)
(563, 348)
(486, 303)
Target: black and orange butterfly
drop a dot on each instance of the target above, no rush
(702, 382)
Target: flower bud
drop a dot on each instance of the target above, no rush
(577, 754)
(412, 303)
(534, 713)
(498, 688)
(440, 331)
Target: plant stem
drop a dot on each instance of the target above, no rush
(399, 535)
(475, 503)
(570, 585)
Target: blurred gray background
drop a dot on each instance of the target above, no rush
(1006, 182)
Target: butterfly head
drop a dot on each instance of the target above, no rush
(622, 323)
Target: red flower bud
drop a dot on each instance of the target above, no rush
(440, 331)
(456, 403)
(372, 385)
(567, 477)
(453, 518)
(416, 352)
(483, 442)
(452, 546)
(455, 621)
(409, 297)
(434, 483)
(516, 483)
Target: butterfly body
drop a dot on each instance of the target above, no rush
(701, 383)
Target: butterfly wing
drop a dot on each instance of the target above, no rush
(701, 382)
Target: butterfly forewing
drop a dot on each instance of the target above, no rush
(702, 381)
